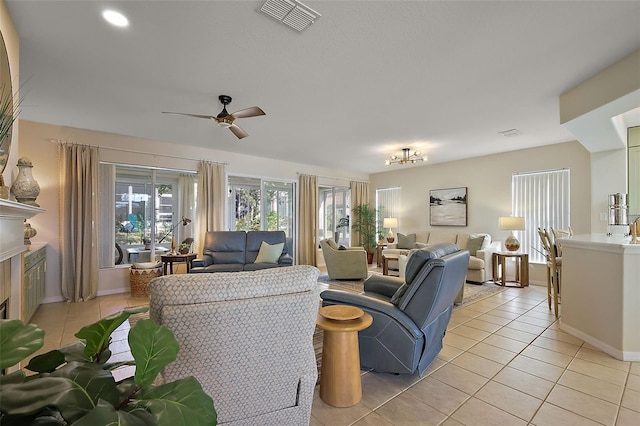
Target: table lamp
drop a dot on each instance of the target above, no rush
(184, 221)
(390, 222)
(511, 223)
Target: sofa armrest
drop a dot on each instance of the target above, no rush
(285, 259)
(202, 261)
(392, 245)
(486, 255)
(372, 305)
(382, 284)
(355, 248)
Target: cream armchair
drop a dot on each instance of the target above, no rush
(247, 337)
(348, 263)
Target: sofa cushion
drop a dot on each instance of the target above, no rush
(442, 237)
(406, 241)
(474, 244)
(269, 253)
(226, 247)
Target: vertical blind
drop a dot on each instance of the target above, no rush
(388, 203)
(543, 199)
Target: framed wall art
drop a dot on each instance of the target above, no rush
(448, 207)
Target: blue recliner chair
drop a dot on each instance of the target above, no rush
(409, 318)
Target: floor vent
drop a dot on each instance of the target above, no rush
(291, 13)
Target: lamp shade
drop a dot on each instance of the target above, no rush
(511, 223)
(390, 222)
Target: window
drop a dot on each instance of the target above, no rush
(259, 204)
(543, 199)
(387, 205)
(334, 204)
(147, 205)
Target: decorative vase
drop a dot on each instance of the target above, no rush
(4, 190)
(29, 233)
(25, 188)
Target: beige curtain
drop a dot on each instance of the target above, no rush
(79, 216)
(359, 195)
(186, 200)
(308, 214)
(211, 201)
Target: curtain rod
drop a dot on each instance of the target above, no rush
(333, 177)
(131, 151)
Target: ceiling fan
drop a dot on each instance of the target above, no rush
(224, 119)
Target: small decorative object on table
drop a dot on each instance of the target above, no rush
(25, 188)
(183, 248)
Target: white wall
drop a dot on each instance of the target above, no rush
(35, 143)
(488, 180)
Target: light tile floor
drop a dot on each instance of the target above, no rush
(505, 361)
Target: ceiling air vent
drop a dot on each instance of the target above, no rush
(291, 13)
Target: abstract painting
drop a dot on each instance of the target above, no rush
(448, 207)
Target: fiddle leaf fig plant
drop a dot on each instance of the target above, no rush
(75, 384)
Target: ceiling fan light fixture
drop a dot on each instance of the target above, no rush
(408, 157)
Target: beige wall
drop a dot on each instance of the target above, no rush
(35, 143)
(488, 180)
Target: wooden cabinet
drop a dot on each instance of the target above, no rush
(33, 280)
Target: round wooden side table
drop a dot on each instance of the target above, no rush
(340, 383)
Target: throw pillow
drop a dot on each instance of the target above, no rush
(269, 253)
(474, 244)
(332, 243)
(406, 241)
(342, 247)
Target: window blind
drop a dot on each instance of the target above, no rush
(543, 199)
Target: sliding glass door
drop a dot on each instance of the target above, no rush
(334, 209)
(260, 204)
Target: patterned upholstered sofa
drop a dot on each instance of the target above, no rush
(479, 246)
(229, 251)
(247, 337)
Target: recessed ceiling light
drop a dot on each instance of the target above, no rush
(115, 18)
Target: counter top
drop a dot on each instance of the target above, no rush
(616, 242)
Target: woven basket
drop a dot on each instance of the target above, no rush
(140, 279)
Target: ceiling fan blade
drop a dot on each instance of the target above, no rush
(238, 131)
(209, 117)
(248, 112)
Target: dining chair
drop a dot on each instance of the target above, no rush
(554, 269)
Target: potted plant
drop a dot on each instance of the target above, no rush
(74, 384)
(183, 248)
(365, 219)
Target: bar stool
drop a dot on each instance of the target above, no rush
(554, 269)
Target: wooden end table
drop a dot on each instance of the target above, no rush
(499, 259)
(385, 262)
(170, 259)
(340, 383)
(379, 249)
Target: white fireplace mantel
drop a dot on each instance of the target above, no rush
(12, 217)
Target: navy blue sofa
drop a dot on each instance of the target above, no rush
(231, 251)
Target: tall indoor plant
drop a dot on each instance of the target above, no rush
(365, 220)
(74, 384)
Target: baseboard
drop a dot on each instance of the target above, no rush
(113, 291)
(56, 299)
(604, 347)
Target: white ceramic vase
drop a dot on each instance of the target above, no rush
(25, 188)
